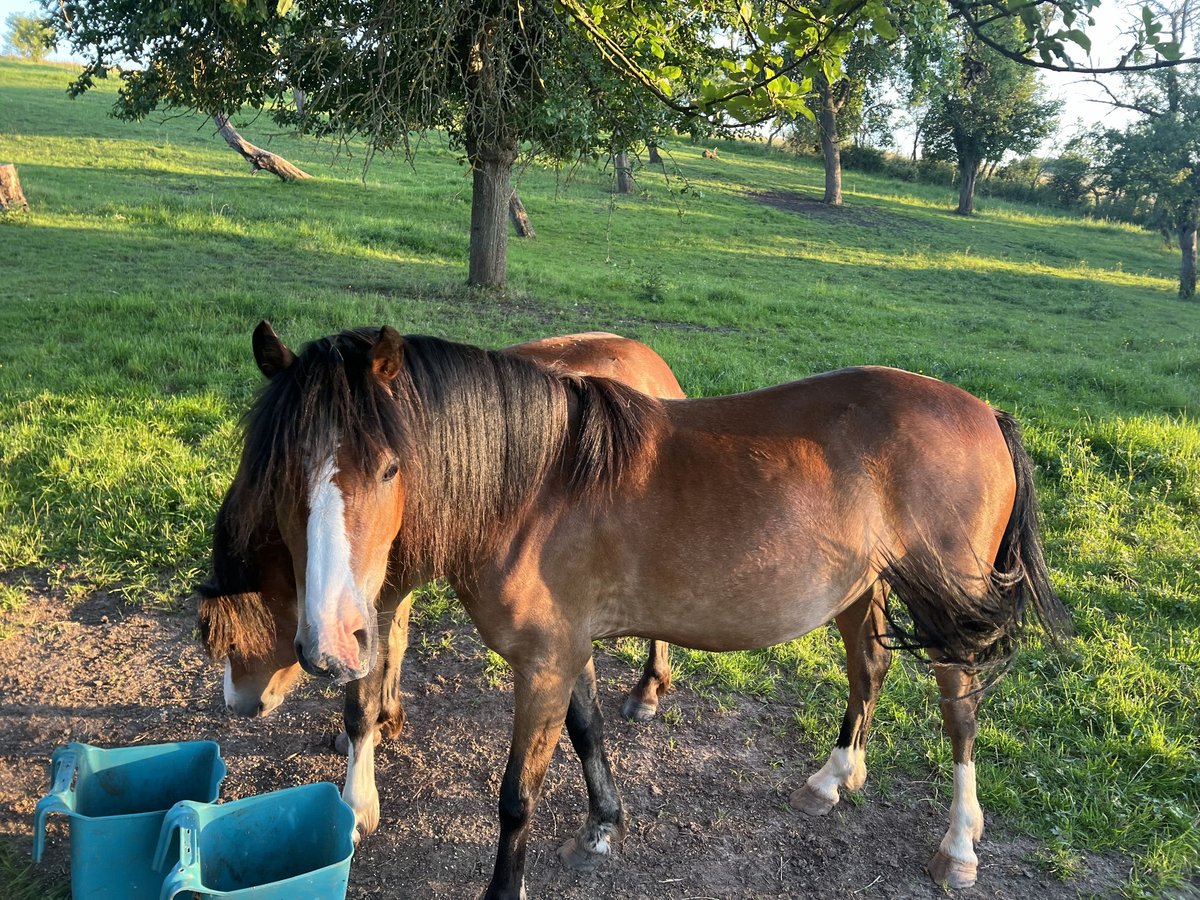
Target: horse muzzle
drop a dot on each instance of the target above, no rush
(338, 667)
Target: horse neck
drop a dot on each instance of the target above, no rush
(492, 436)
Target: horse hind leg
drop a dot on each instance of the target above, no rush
(867, 664)
(641, 703)
(955, 863)
(605, 823)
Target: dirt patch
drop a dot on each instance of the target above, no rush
(706, 796)
(814, 208)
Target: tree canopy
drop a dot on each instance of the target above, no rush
(28, 36)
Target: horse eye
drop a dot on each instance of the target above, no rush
(391, 471)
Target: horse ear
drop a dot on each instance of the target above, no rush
(388, 354)
(271, 354)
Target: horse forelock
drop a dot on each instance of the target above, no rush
(475, 432)
(240, 623)
(326, 404)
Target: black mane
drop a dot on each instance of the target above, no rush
(476, 433)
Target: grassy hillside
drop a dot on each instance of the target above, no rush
(131, 288)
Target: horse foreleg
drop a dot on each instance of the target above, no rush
(361, 714)
(867, 664)
(391, 712)
(391, 660)
(374, 710)
(641, 703)
(955, 863)
(541, 702)
(605, 823)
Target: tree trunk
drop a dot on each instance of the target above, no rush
(830, 149)
(780, 124)
(491, 191)
(624, 169)
(11, 195)
(968, 169)
(654, 156)
(1187, 267)
(520, 218)
(260, 160)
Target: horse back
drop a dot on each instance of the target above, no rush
(607, 355)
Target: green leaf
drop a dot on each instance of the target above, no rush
(1078, 37)
(1169, 50)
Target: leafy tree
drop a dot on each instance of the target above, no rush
(986, 106)
(1156, 160)
(29, 36)
(493, 74)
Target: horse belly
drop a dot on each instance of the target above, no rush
(738, 600)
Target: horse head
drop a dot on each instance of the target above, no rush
(322, 453)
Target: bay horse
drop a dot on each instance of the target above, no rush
(247, 609)
(568, 508)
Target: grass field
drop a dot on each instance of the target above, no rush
(131, 288)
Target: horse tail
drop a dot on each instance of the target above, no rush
(1020, 552)
(981, 632)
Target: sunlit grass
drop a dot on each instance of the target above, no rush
(132, 286)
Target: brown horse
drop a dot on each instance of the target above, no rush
(247, 609)
(565, 509)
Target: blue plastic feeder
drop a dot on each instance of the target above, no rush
(115, 802)
(279, 846)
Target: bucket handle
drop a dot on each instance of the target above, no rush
(63, 765)
(186, 876)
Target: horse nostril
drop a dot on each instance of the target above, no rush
(262, 709)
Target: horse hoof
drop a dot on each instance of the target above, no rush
(804, 799)
(636, 710)
(577, 857)
(953, 873)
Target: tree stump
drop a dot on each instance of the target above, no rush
(520, 218)
(11, 195)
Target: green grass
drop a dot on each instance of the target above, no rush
(21, 880)
(132, 286)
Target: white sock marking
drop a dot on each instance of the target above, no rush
(846, 767)
(966, 818)
(360, 792)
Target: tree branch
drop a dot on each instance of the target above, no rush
(1115, 102)
(965, 11)
(260, 160)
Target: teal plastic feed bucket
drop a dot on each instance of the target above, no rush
(280, 846)
(115, 801)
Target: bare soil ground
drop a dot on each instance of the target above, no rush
(706, 794)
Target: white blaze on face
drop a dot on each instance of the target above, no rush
(230, 691)
(329, 577)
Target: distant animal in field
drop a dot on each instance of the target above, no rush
(567, 508)
(710, 154)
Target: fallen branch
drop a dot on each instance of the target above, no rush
(260, 160)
